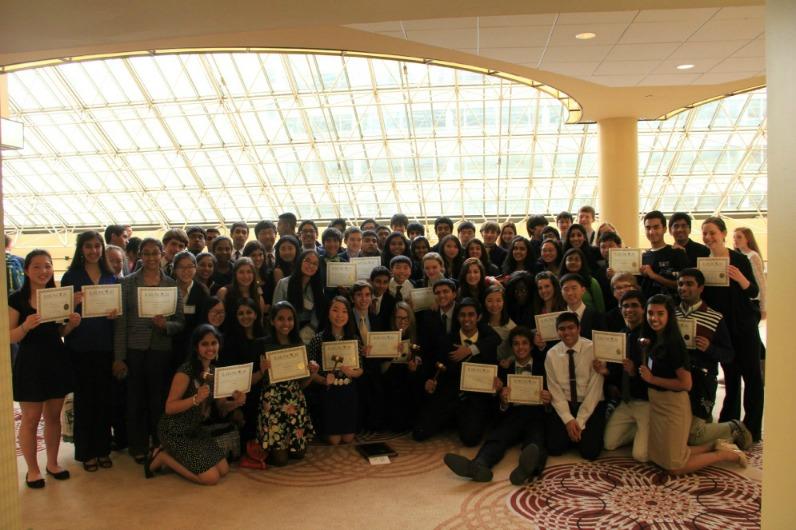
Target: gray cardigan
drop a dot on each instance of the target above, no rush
(132, 332)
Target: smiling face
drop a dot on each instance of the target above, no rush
(519, 251)
(244, 275)
(354, 242)
(432, 268)
(657, 317)
(223, 251)
(185, 270)
(196, 241)
(39, 270)
(308, 235)
(283, 323)
(549, 252)
(451, 249)
(521, 347)
(490, 236)
(173, 247)
(246, 316)
(397, 246)
(338, 315)
(239, 236)
(204, 268)
(207, 349)
(494, 303)
(654, 230)
(568, 332)
(421, 249)
(267, 237)
(575, 238)
(507, 234)
(632, 312)
(150, 257)
(380, 284)
(573, 263)
(309, 265)
(258, 257)
(466, 234)
(444, 296)
(331, 246)
(689, 290)
(287, 252)
(473, 275)
(401, 272)
(216, 315)
(362, 299)
(572, 292)
(474, 251)
(680, 231)
(115, 261)
(713, 237)
(401, 319)
(468, 319)
(546, 289)
(92, 251)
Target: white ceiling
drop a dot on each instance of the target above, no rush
(632, 48)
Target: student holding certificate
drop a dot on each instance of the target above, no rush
(337, 395)
(304, 290)
(284, 427)
(243, 285)
(91, 349)
(194, 295)
(41, 372)
(142, 348)
(186, 447)
(403, 384)
(735, 304)
(516, 423)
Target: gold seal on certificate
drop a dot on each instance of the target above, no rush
(365, 266)
(340, 274)
(422, 298)
(609, 347)
(406, 352)
(715, 271)
(384, 344)
(688, 328)
(154, 301)
(478, 378)
(55, 304)
(546, 325)
(625, 260)
(228, 379)
(525, 389)
(347, 349)
(99, 300)
(288, 364)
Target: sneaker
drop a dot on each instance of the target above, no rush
(528, 461)
(464, 467)
(741, 436)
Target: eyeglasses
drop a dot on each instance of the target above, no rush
(216, 312)
(311, 262)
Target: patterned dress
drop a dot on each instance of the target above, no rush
(284, 421)
(184, 438)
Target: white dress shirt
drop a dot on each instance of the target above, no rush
(589, 383)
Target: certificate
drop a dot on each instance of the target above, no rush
(422, 298)
(288, 364)
(55, 304)
(99, 300)
(478, 378)
(625, 260)
(609, 347)
(715, 271)
(384, 344)
(347, 349)
(340, 274)
(365, 266)
(688, 327)
(525, 389)
(546, 325)
(154, 301)
(228, 379)
(406, 352)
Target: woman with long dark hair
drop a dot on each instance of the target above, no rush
(667, 372)
(195, 296)
(451, 251)
(472, 280)
(520, 257)
(576, 237)
(475, 248)
(91, 350)
(497, 316)
(519, 298)
(550, 257)
(304, 290)
(576, 262)
(41, 372)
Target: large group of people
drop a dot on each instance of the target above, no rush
(145, 384)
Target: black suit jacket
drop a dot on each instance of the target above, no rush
(590, 321)
(487, 344)
(497, 255)
(381, 320)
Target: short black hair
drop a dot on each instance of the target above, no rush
(308, 222)
(290, 217)
(414, 226)
(367, 221)
(443, 221)
(573, 276)
(470, 302)
(351, 230)
(567, 316)
(444, 281)
(370, 233)
(331, 233)
(113, 230)
(195, 229)
(534, 221)
(381, 270)
(263, 225)
(564, 215)
(464, 225)
(334, 223)
(399, 219)
(611, 236)
(694, 273)
(655, 214)
(238, 224)
(679, 216)
(133, 244)
(635, 294)
(400, 259)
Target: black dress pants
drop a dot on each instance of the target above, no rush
(746, 366)
(148, 385)
(93, 403)
(591, 441)
(523, 424)
(469, 413)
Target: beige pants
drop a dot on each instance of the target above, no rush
(670, 423)
(629, 423)
(703, 432)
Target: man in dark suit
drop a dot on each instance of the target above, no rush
(445, 403)
(490, 231)
(382, 302)
(573, 287)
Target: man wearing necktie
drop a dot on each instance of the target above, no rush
(524, 424)
(473, 342)
(370, 385)
(239, 232)
(577, 393)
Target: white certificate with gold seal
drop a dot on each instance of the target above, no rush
(546, 325)
(55, 304)
(609, 347)
(624, 260)
(154, 301)
(99, 300)
(288, 364)
(347, 349)
(478, 377)
(525, 389)
(228, 379)
(715, 271)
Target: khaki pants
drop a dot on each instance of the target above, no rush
(703, 432)
(628, 424)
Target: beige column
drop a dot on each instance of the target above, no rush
(619, 177)
(9, 486)
(779, 458)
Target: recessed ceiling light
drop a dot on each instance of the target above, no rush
(585, 36)
(684, 66)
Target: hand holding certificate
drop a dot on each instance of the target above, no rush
(55, 304)
(478, 378)
(715, 271)
(422, 298)
(347, 349)
(288, 364)
(157, 301)
(688, 328)
(525, 389)
(228, 379)
(384, 344)
(100, 300)
(624, 260)
(340, 274)
(546, 325)
(365, 266)
(609, 347)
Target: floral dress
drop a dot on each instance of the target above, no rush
(284, 421)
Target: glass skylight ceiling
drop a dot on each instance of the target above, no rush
(215, 138)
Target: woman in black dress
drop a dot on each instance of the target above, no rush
(41, 372)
